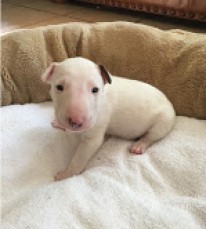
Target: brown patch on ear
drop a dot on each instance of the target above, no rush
(105, 75)
(47, 75)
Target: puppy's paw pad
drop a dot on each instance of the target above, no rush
(137, 148)
(60, 176)
(55, 125)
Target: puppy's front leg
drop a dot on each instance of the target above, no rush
(85, 150)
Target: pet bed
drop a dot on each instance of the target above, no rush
(163, 188)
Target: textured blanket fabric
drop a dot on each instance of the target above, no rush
(174, 61)
(163, 188)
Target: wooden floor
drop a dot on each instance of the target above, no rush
(17, 14)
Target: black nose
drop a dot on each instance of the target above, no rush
(74, 124)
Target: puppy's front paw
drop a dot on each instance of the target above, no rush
(138, 148)
(61, 175)
(67, 173)
(55, 125)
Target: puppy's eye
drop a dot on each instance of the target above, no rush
(60, 87)
(95, 90)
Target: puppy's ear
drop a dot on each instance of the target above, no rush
(105, 75)
(47, 75)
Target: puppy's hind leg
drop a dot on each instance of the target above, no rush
(162, 126)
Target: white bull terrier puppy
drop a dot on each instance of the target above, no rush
(90, 103)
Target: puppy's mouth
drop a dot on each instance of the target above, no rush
(75, 127)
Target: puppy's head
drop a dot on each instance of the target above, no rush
(77, 90)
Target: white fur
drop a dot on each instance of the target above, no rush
(127, 108)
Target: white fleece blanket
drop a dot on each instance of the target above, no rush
(164, 188)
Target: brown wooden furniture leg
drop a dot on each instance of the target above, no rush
(60, 1)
